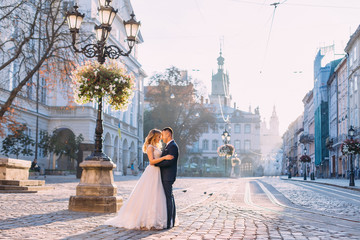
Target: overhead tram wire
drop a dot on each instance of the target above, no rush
(268, 39)
(298, 4)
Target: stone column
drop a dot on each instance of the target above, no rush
(96, 191)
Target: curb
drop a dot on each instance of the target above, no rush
(329, 184)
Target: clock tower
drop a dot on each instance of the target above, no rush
(220, 85)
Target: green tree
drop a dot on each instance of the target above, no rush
(175, 101)
(60, 144)
(18, 143)
(45, 143)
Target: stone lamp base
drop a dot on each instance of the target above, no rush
(96, 191)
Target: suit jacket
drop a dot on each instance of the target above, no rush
(168, 168)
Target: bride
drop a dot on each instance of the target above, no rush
(146, 207)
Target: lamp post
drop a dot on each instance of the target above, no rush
(351, 133)
(305, 151)
(289, 166)
(96, 191)
(107, 15)
(226, 139)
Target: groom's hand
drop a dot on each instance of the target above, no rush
(169, 157)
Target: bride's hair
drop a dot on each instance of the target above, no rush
(151, 138)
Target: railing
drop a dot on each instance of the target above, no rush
(306, 138)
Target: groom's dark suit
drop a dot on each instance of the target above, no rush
(168, 169)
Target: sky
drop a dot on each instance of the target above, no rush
(268, 52)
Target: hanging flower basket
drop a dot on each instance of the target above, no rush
(235, 161)
(350, 147)
(110, 81)
(226, 150)
(305, 158)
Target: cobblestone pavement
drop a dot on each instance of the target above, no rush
(210, 208)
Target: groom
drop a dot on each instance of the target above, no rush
(168, 170)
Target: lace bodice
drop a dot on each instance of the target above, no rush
(157, 151)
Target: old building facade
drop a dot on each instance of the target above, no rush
(243, 126)
(54, 113)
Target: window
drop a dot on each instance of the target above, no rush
(29, 89)
(205, 145)
(67, 6)
(247, 128)
(247, 144)
(215, 128)
(237, 128)
(354, 53)
(215, 144)
(237, 145)
(14, 73)
(43, 91)
(28, 132)
(124, 116)
(355, 83)
(196, 146)
(131, 114)
(206, 129)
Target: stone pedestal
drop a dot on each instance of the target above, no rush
(96, 191)
(14, 174)
(14, 169)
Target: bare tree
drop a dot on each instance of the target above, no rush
(34, 42)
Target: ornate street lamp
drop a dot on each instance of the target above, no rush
(289, 166)
(351, 133)
(226, 138)
(107, 15)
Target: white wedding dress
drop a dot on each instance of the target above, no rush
(146, 205)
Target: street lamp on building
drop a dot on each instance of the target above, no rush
(106, 16)
(351, 133)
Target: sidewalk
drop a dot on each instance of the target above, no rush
(342, 183)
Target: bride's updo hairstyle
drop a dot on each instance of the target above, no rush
(151, 139)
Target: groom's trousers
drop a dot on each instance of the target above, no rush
(170, 204)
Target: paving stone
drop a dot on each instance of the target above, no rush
(225, 215)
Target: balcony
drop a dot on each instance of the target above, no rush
(306, 138)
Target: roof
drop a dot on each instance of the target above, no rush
(333, 66)
(353, 37)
